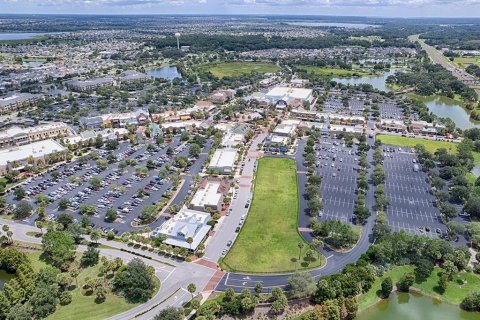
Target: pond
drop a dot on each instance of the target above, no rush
(166, 72)
(19, 36)
(414, 306)
(4, 277)
(447, 108)
(378, 81)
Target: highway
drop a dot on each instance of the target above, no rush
(440, 59)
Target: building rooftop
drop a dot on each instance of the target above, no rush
(223, 158)
(185, 224)
(208, 196)
(35, 149)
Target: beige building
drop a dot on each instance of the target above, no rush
(18, 101)
(19, 136)
(38, 153)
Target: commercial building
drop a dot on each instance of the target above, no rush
(133, 76)
(392, 125)
(292, 96)
(186, 224)
(19, 136)
(223, 160)
(18, 101)
(36, 153)
(210, 195)
(90, 84)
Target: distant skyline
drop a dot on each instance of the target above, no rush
(384, 8)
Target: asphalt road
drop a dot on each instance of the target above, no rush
(336, 261)
(228, 224)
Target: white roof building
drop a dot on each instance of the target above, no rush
(35, 150)
(185, 224)
(223, 160)
(289, 94)
(208, 197)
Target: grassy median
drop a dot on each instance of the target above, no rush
(269, 240)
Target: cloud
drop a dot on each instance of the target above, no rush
(351, 3)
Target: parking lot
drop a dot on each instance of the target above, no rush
(338, 166)
(389, 110)
(123, 189)
(411, 203)
(351, 107)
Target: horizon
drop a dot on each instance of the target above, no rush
(345, 8)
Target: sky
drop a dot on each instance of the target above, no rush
(383, 8)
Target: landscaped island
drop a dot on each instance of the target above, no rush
(269, 241)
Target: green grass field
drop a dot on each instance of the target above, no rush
(84, 307)
(430, 145)
(238, 68)
(268, 242)
(332, 72)
(463, 62)
(368, 38)
(457, 289)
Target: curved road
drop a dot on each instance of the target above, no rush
(176, 275)
(336, 261)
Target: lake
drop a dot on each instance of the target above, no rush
(19, 36)
(334, 24)
(166, 72)
(447, 108)
(4, 277)
(414, 306)
(378, 81)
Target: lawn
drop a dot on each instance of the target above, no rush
(268, 242)
(238, 68)
(463, 62)
(84, 307)
(430, 145)
(457, 289)
(332, 72)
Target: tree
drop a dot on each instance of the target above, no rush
(361, 214)
(22, 210)
(192, 288)
(406, 281)
(43, 301)
(42, 200)
(90, 257)
(63, 204)
(96, 183)
(258, 288)
(59, 246)
(170, 313)
(443, 282)
(423, 268)
(111, 215)
(280, 302)
(19, 193)
(95, 235)
(301, 245)
(449, 269)
(148, 213)
(135, 283)
(65, 219)
(472, 301)
(300, 285)
(194, 150)
(387, 287)
(87, 209)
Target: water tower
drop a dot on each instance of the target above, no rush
(177, 35)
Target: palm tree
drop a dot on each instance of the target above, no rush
(190, 241)
(192, 288)
(316, 245)
(300, 247)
